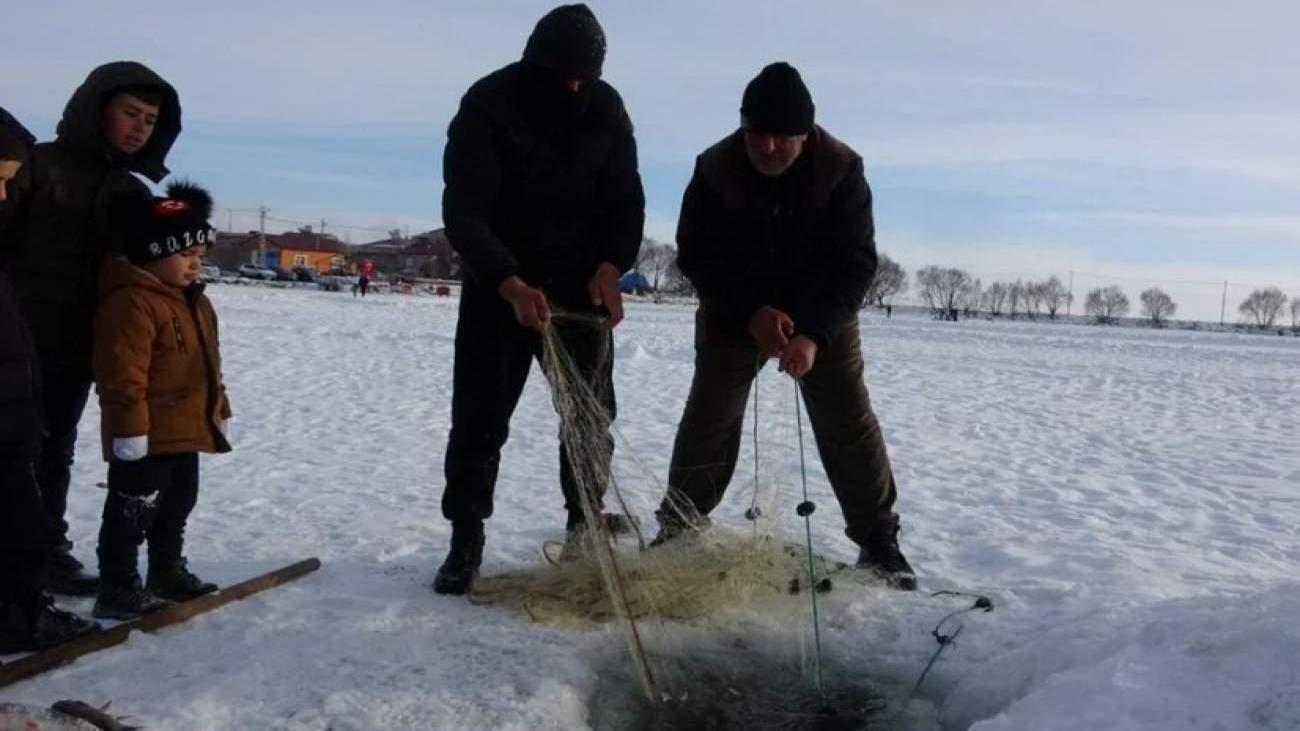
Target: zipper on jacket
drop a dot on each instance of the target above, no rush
(213, 375)
(180, 339)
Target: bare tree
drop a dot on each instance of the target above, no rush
(1033, 299)
(942, 289)
(1055, 296)
(1263, 306)
(1107, 304)
(1015, 297)
(890, 280)
(995, 297)
(971, 297)
(1295, 312)
(1157, 306)
(675, 281)
(654, 259)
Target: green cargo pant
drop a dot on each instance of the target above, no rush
(708, 438)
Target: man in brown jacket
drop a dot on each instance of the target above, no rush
(158, 376)
(776, 234)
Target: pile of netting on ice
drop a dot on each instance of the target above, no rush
(615, 578)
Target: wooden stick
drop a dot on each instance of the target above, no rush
(47, 660)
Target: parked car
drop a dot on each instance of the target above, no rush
(280, 274)
(209, 273)
(253, 271)
(306, 274)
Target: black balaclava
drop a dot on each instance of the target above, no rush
(568, 41)
(567, 44)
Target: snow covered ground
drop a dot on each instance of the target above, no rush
(1129, 499)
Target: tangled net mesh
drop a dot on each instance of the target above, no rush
(689, 579)
(685, 580)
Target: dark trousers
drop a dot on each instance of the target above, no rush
(148, 498)
(493, 357)
(64, 399)
(24, 530)
(845, 428)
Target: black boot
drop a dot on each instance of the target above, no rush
(880, 553)
(171, 580)
(126, 601)
(668, 533)
(672, 527)
(617, 524)
(66, 575)
(578, 544)
(39, 628)
(460, 569)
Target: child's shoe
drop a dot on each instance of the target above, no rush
(128, 601)
(172, 580)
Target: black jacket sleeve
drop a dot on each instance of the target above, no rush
(622, 199)
(11, 211)
(702, 254)
(19, 403)
(17, 193)
(836, 283)
(471, 172)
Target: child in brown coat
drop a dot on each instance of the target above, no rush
(158, 375)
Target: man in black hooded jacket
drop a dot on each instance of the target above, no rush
(28, 618)
(543, 202)
(123, 119)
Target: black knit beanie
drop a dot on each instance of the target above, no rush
(776, 101)
(154, 228)
(569, 42)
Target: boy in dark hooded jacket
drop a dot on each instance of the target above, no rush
(53, 236)
(28, 619)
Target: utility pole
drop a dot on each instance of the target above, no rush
(1069, 298)
(1223, 308)
(261, 236)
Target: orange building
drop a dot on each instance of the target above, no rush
(304, 249)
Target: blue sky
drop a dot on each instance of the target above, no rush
(1131, 143)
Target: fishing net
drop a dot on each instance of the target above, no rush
(595, 578)
(686, 580)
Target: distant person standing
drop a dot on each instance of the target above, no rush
(544, 204)
(122, 121)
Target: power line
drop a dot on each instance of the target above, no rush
(335, 225)
(295, 222)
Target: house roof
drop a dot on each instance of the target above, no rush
(427, 243)
(387, 246)
(298, 241)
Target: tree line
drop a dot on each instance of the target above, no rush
(950, 293)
